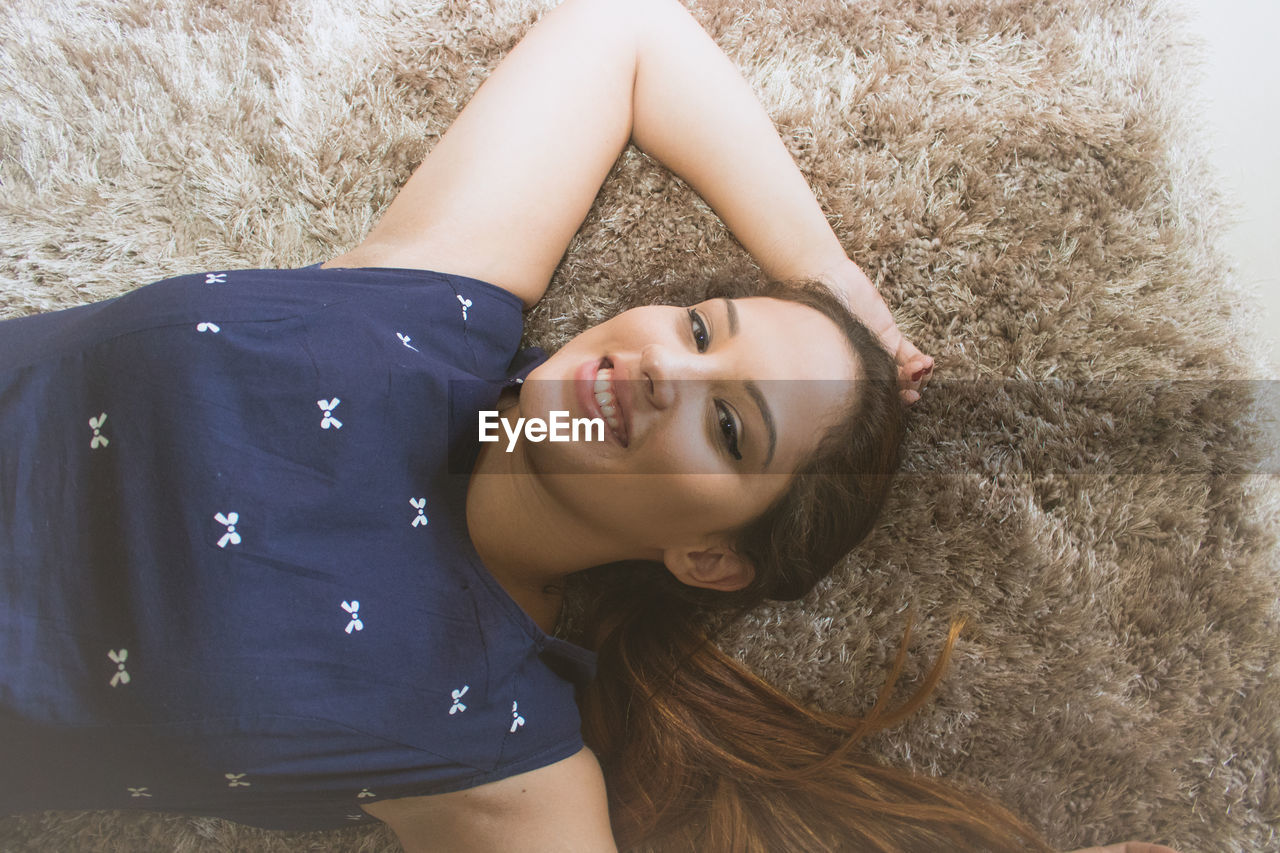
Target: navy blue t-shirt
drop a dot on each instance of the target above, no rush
(235, 570)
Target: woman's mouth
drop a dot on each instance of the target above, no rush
(604, 396)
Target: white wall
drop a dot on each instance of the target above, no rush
(1241, 99)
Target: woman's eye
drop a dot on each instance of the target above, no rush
(728, 427)
(730, 430)
(700, 336)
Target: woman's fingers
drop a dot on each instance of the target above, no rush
(915, 369)
(920, 368)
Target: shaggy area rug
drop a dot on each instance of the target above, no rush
(1085, 480)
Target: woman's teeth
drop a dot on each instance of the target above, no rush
(604, 396)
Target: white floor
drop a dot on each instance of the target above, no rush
(1241, 103)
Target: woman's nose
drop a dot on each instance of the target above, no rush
(662, 371)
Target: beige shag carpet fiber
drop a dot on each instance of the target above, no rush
(1025, 182)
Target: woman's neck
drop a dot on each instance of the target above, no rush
(526, 539)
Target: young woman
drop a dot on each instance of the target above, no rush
(258, 564)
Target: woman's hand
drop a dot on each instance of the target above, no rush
(914, 367)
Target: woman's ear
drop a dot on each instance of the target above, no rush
(718, 568)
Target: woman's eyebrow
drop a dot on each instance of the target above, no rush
(732, 311)
(767, 416)
(753, 389)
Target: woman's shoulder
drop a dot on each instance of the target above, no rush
(374, 257)
(561, 806)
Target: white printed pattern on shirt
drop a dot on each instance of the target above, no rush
(404, 339)
(118, 658)
(208, 327)
(234, 780)
(215, 278)
(420, 504)
(327, 406)
(517, 721)
(96, 424)
(231, 536)
(466, 303)
(353, 608)
(458, 707)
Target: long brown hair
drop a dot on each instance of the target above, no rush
(699, 754)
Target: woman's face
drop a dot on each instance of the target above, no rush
(714, 405)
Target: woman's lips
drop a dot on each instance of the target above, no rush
(622, 397)
(584, 388)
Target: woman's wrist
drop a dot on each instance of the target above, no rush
(852, 285)
(848, 281)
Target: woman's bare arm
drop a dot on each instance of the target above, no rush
(506, 188)
(560, 808)
(696, 114)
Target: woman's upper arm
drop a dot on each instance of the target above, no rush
(560, 808)
(506, 188)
